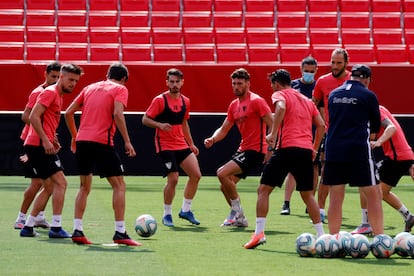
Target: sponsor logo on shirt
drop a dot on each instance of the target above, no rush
(345, 100)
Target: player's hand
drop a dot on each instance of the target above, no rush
(73, 145)
(165, 127)
(129, 150)
(375, 144)
(49, 147)
(209, 142)
(195, 150)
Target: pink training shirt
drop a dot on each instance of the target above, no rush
(30, 104)
(247, 115)
(296, 127)
(97, 101)
(173, 139)
(324, 86)
(397, 147)
(52, 100)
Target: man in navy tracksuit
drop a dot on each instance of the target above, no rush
(354, 116)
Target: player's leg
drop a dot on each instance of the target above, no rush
(290, 185)
(374, 207)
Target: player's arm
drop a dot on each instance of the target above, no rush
(280, 110)
(70, 123)
(319, 124)
(150, 122)
(219, 134)
(25, 115)
(188, 138)
(268, 119)
(35, 119)
(389, 131)
(122, 128)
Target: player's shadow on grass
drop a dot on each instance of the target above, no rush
(385, 262)
(119, 248)
(188, 228)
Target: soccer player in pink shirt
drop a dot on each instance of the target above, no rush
(102, 104)
(168, 113)
(291, 138)
(51, 76)
(323, 87)
(398, 160)
(42, 147)
(251, 114)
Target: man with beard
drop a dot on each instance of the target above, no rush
(168, 114)
(251, 114)
(323, 87)
(42, 147)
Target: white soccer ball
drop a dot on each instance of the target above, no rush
(382, 246)
(359, 246)
(344, 239)
(401, 244)
(327, 246)
(145, 225)
(305, 245)
(410, 246)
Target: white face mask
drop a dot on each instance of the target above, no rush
(308, 77)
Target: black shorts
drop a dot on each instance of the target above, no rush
(358, 173)
(390, 171)
(28, 171)
(104, 157)
(297, 161)
(42, 165)
(171, 159)
(247, 161)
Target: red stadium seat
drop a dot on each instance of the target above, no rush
(408, 5)
(409, 20)
(293, 35)
(291, 19)
(356, 36)
(12, 4)
(11, 34)
(228, 5)
(323, 5)
(323, 20)
(40, 4)
(134, 19)
(137, 53)
(165, 19)
(392, 54)
(260, 5)
(386, 20)
(259, 19)
(355, 20)
(231, 53)
(165, 5)
(44, 52)
(230, 35)
(386, 5)
(71, 5)
(197, 5)
(261, 35)
(12, 52)
(104, 52)
(168, 53)
(103, 18)
(198, 36)
(322, 52)
(197, 19)
(409, 37)
(11, 17)
(293, 53)
(104, 35)
(40, 18)
(136, 35)
(228, 19)
(71, 18)
(355, 5)
(134, 5)
(291, 5)
(324, 36)
(41, 34)
(103, 5)
(263, 53)
(387, 36)
(410, 51)
(361, 53)
(73, 52)
(167, 35)
(73, 34)
(200, 53)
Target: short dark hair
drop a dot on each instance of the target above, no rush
(71, 68)
(175, 72)
(281, 76)
(309, 61)
(54, 66)
(240, 73)
(341, 51)
(117, 71)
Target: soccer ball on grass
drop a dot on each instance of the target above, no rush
(382, 246)
(305, 245)
(145, 225)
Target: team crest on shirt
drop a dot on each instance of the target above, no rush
(168, 165)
